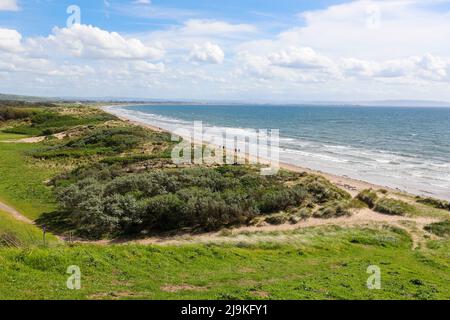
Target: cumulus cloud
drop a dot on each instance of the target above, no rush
(8, 5)
(373, 29)
(426, 67)
(10, 40)
(301, 58)
(207, 53)
(86, 41)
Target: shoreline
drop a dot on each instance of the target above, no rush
(351, 185)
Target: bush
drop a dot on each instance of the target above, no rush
(441, 229)
(393, 207)
(117, 139)
(109, 201)
(9, 113)
(369, 197)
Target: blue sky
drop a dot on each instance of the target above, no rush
(38, 17)
(259, 50)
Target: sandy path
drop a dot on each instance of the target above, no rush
(14, 213)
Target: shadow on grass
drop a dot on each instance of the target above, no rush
(57, 222)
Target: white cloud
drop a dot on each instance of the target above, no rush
(86, 41)
(215, 28)
(9, 5)
(426, 67)
(301, 58)
(397, 28)
(10, 40)
(207, 53)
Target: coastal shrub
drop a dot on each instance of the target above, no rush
(110, 201)
(98, 142)
(117, 139)
(439, 204)
(393, 207)
(9, 113)
(441, 229)
(369, 197)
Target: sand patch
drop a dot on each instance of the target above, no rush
(184, 287)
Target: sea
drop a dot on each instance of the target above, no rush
(397, 147)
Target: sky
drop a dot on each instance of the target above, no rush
(245, 50)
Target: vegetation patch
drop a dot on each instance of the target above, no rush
(369, 197)
(393, 207)
(441, 229)
(435, 203)
(46, 122)
(105, 201)
(15, 233)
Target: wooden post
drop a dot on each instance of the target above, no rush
(44, 229)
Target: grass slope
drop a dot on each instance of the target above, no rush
(22, 184)
(13, 232)
(326, 263)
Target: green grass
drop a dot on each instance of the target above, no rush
(22, 183)
(328, 263)
(21, 233)
(11, 136)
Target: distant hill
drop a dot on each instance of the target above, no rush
(380, 103)
(13, 97)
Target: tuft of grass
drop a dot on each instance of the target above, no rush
(334, 209)
(369, 197)
(441, 229)
(393, 207)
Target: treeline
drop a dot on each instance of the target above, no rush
(109, 202)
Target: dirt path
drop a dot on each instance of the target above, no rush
(15, 214)
(365, 217)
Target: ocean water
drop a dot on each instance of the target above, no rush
(404, 148)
